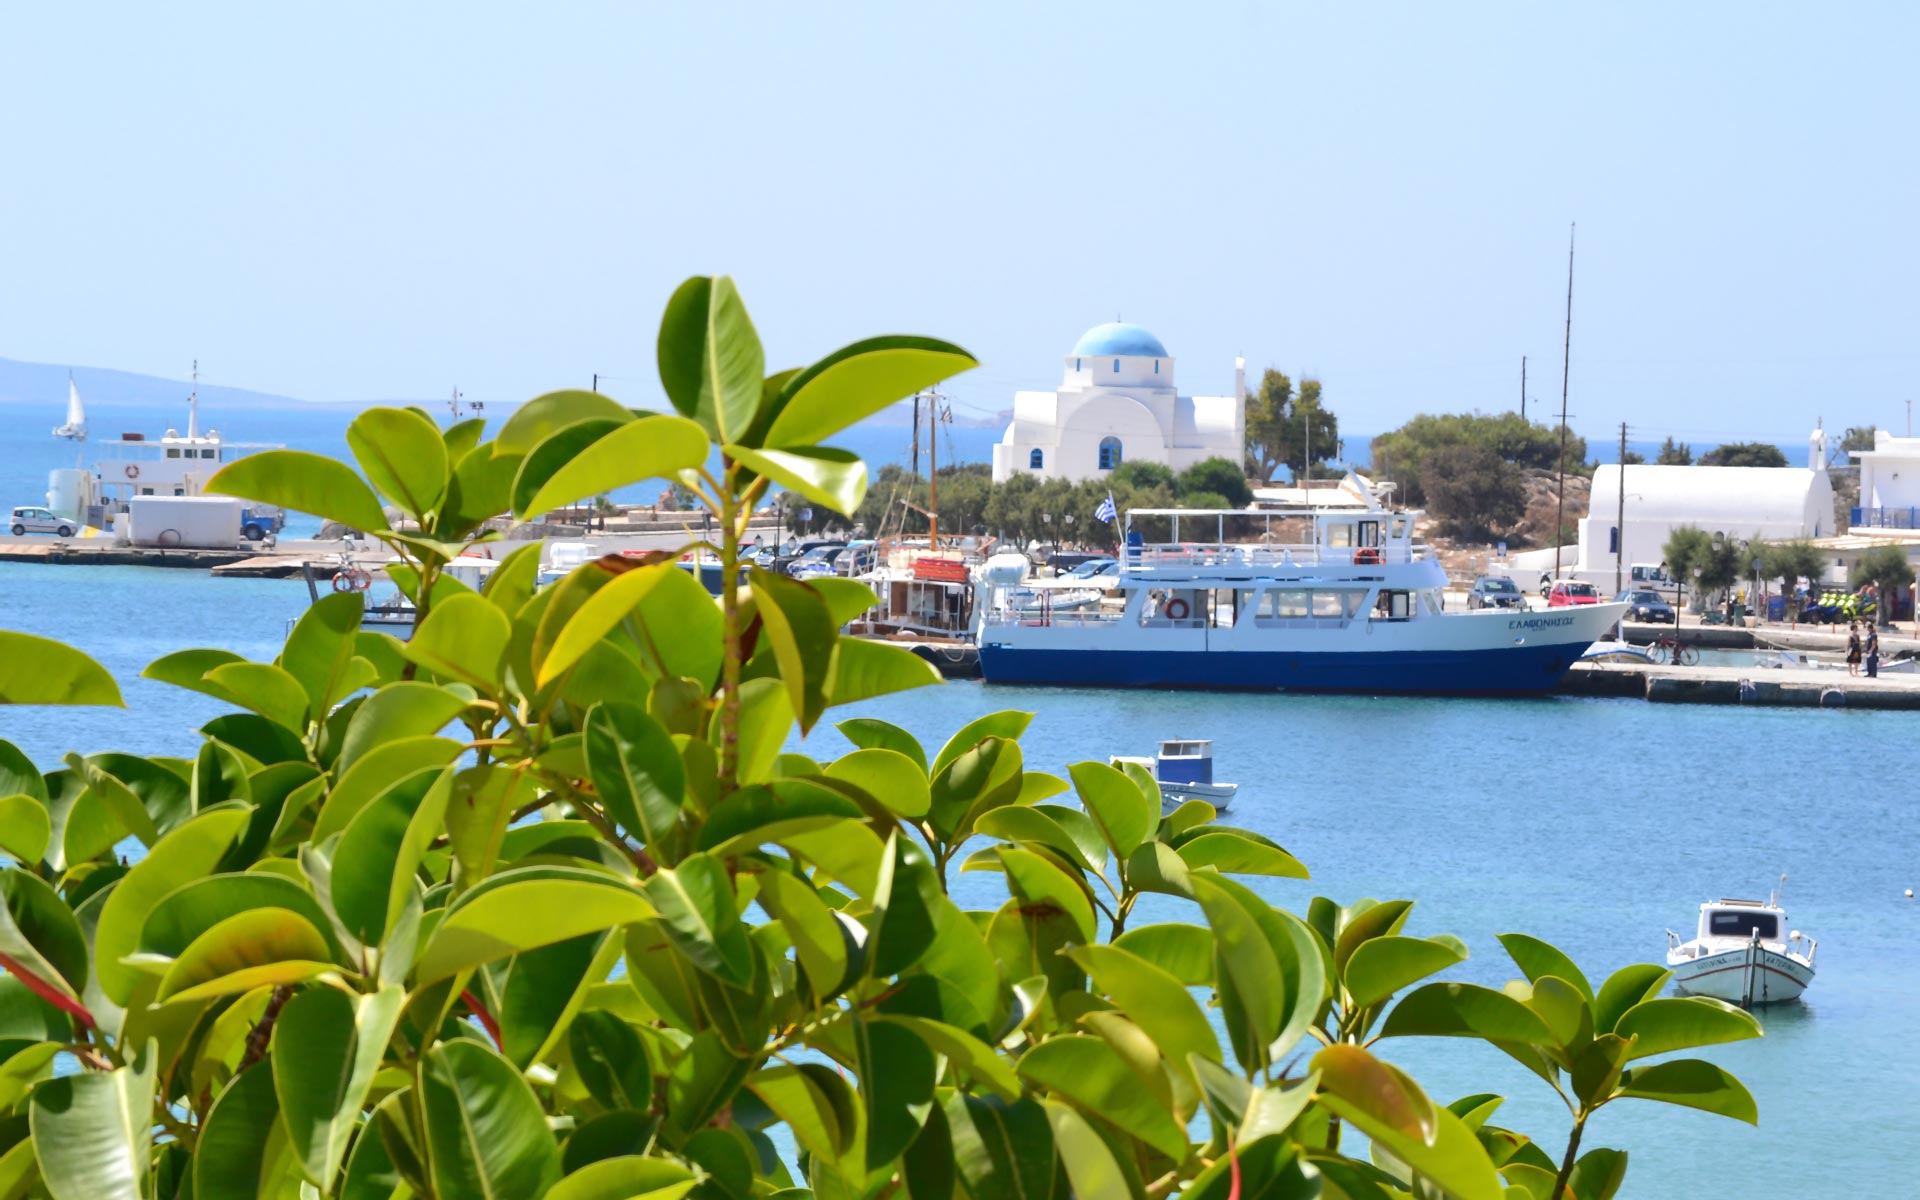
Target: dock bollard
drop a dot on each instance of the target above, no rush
(1833, 698)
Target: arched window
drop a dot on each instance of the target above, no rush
(1116, 366)
(1036, 460)
(1109, 453)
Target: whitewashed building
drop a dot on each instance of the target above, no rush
(1117, 404)
(1889, 484)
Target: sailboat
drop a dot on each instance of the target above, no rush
(76, 427)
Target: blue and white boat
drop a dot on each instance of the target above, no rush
(1184, 770)
(1333, 597)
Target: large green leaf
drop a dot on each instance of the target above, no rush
(989, 1069)
(805, 1100)
(871, 733)
(1007, 723)
(380, 852)
(462, 638)
(303, 482)
(642, 449)
(486, 1132)
(245, 951)
(1034, 878)
(25, 828)
(1247, 972)
(519, 909)
(890, 777)
(834, 478)
(1001, 1149)
(188, 853)
(1392, 1110)
(1465, 1010)
(1692, 1083)
(544, 415)
(537, 993)
(595, 617)
(897, 1074)
(1625, 988)
(92, 1132)
(696, 900)
(190, 911)
(326, 1048)
(399, 710)
(1183, 951)
(402, 453)
(1382, 966)
(374, 773)
(864, 669)
(18, 775)
(1115, 804)
(1236, 853)
(636, 769)
(1157, 1002)
(711, 362)
(857, 381)
(611, 1061)
(37, 670)
(1095, 1076)
(266, 689)
(1091, 1165)
(243, 1149)
(626, 1177)
(1536, 958)
(320, 650)
(1682, 1023)
(816, 934)
(805, 640)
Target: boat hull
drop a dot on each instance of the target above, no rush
(1501, 671)
(1741, 976)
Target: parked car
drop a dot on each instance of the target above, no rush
(1646, 606)
(1495, 591)
(1094, 568)
(1571, 592)
(1066, 562)
(794, 553)
(40, 520)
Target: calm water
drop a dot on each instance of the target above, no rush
(1594, 824)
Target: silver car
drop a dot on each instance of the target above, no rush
(40, 520)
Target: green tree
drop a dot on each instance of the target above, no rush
(1140, 474)
(1010, 508)
(1686, 550)
(1216, 477)
(1744, 454)
(1887, 568)
(1789, 562)
(552, 899)
(1473, 491)
(1674, 454)
(1285, 425)
(1633, 458)
(1859, 437)
(1511, 438)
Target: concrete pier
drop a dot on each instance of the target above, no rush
(1758, 686)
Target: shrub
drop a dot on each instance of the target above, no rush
(541, 902)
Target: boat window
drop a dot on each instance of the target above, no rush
(1329, 604)
(1369, 533)
(1167, 606)
(1339, 535)
(1393, 606)
(173, 452)
(206, 454)
(1743, 924)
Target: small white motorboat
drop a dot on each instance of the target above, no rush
(1743, 954)
(1184, 771)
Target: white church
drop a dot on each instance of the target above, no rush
(1117, 404)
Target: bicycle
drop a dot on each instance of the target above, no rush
(1668, 648)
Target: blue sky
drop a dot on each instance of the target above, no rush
(380, 201)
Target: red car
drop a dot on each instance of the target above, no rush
(1570, 593)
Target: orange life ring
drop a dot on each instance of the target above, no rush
(353, 579)
(1177, 609)
(133, 470)
(342, 582)
(1366, 555)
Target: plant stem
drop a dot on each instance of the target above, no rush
(262, 1034)
(730, 625)
(1573, 1151)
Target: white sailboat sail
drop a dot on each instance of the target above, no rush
(76, 426)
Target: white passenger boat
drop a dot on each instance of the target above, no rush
(1743, 953)
(1326, 599)
(1184, 771)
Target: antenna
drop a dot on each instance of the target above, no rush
(193, 404)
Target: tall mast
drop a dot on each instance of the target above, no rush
(933, 470)
(1566, 353)
(193, 403)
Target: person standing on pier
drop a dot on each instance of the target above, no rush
(1853, 647)
(1873, 652)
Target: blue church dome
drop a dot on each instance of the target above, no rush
(1124, 340)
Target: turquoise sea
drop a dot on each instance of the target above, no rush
(1593, 823)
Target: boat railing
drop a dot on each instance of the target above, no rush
(1043, 615)
(1185, 556)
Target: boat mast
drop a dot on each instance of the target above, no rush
(193, 404)
(1566, 352)
(933, 471)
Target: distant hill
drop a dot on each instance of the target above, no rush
(43, 386)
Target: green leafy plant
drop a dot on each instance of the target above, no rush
(543, 901)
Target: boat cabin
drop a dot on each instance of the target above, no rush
(1740, 920)
(1184, 762)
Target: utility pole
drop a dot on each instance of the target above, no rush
(916, 433)
(1620, 521)
(1909, 418)
(1566, 353)
(1523, 387)
(596, 381)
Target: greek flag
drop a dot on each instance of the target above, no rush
(1106, 511)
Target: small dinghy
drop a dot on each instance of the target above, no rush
(1743, 954)
(1184, 771)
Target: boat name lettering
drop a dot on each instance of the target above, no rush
(1538, 622)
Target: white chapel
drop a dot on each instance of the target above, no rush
(1117, 404)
